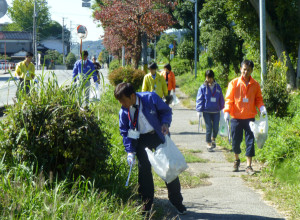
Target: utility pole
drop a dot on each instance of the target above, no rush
(262, 24)
(34, 44)
(63, 39)
(123, 56)
(196, 31)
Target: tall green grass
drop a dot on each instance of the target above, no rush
(28, 193)
(25, 195)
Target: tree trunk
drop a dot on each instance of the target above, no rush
(137, 52)
(298, 68)
(144, 52)
(278, 45)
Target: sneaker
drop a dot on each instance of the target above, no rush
(249, 171)
(209, 148)
(181, 209)
(213, 144)
(236, 165)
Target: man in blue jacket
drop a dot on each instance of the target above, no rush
(85, 69)
(144, 120)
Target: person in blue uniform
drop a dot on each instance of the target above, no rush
(84, 70)
(144, 120)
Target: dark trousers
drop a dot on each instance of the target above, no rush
(212, 125)
(238, 126)
(145, 178)
(21, 85)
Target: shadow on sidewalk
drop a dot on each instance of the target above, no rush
(212, 216)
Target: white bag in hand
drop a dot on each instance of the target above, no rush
(167, 161)
(223, 129)
(260, 130)
(95, 92)
(175, 100)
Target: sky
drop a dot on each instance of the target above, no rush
(73, 13)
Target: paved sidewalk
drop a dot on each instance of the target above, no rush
(227, 197)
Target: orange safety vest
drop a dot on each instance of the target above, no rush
(241, 99)
(171, 80)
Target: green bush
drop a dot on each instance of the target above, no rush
(51, 129)
(180, 66)
(275, 93)
(70, 60)
(205, 61)
(127, 74)
(114, 64)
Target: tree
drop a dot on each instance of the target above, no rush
(21, 13)
(282, 27)
(186, 50)
(163, 45)
(218, 36)
(129, 20)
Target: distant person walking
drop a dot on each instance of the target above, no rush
(144, 121)
(169, 77)
(242, 97)
(210, 102)
(84, 69)
(154, 82)
(25, 71)
(97, 67)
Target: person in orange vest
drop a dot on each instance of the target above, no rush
(169, 77)
(242, 97)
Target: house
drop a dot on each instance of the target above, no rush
(12, 42)
(54, 43)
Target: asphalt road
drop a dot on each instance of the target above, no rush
(8, 84)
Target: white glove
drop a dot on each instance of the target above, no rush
(131, 159)
(226, 116)
(199, 114)
(263, 110)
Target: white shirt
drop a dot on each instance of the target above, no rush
(143, 124)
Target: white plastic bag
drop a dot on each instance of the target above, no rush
(95, 92)
(175, 100)
(223, 129)
(167, 161)
(260, 130)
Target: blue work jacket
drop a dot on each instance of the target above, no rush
(155, 110)
(203, 101)
(86, 70)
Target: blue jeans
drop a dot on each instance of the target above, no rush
(212, 125)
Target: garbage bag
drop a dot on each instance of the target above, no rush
(175, 100)
(95, 92)
(167, 161)
(223, 128)
(260, 130)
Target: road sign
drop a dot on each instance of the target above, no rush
(85, 4)
(171, 46)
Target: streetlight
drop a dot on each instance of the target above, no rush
(196, 27)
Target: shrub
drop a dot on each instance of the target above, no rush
(180, 66)
(275, 93)
(51, 129)
(114, 64)
(205, 61)
(127, 74)
(70, 60)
